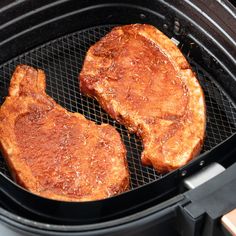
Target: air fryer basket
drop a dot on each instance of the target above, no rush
(62, 60)
(55, 35)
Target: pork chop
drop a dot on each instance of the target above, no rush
(55, 153)
(143, 81)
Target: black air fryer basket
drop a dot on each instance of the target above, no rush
(54, 36)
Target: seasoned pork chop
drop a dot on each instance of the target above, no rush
(55, 153)
(143, 81)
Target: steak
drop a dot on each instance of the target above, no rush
(142, 80)
(55, 153)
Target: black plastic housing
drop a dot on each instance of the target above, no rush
(208, 27)
(204, 206)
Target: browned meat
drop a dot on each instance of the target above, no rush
(55, 153)
(143, 81)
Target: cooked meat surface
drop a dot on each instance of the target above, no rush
(55, 153)
(143, 81)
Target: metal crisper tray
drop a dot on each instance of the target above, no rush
(62, 60)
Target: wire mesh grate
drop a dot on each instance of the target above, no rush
(62, 60)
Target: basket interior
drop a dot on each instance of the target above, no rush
(62, 60)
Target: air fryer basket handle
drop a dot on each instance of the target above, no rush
(204, 206)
